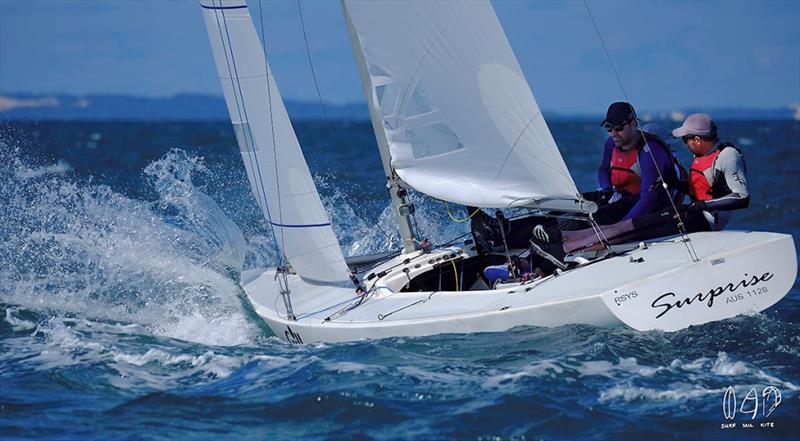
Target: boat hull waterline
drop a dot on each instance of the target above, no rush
(655, 286)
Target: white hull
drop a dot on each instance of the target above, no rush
(645, 288)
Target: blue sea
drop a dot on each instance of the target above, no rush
(121, 244)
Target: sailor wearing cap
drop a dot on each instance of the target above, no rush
(632, 167)
(717, 185)
(718, 180)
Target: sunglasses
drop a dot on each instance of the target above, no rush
(688, 138)
(611, 128)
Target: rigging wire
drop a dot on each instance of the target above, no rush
(328, 124)
(680, 224)
(272, 133)
(283, 282)
(313, 72)
(250, 146)
(451, 241)
(230, 64)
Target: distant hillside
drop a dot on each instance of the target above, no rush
(790, 112)
(123, 107)
(206, 107)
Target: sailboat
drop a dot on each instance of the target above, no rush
(456, 120)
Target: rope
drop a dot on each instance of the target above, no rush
(453, 218)
(354, 303)
(313, 72)
(599, 232)
(684, 235)
(500, 218)
(455, 271)
(451, 241)
(415, 227)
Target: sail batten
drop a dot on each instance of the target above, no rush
(459, 118)
(275, 166)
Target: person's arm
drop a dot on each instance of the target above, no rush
(682, 181)
(731, 163)
(604, 171)
(651, 193)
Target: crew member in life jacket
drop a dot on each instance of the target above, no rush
(717, 185)
(717, 179)
(634, 167)
(630, 176)
(631, 169)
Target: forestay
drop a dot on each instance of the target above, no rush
(275, 165)
(461, 122)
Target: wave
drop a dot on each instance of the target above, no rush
(74, 247)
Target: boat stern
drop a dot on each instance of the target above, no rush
(738, 273)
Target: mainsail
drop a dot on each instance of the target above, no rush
(275, 165)
(461, 123)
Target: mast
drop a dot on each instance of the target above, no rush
(400, 205)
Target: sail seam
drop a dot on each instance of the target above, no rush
(403, 98)
(223, 7)
(299, 225)
(516, 141)
(551, 157)
(246, 77)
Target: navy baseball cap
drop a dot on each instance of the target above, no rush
(618, 113)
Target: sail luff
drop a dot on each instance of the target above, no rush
(275, 166)
(393, 182)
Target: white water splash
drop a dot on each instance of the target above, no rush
(699, 371)
(84, 249)
(358, 237)
(18, 324)
(670, 392)
(59, 167)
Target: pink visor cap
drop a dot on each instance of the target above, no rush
(695, 124)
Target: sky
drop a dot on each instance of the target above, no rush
(669, 54)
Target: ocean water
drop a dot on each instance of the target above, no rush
(121, 317)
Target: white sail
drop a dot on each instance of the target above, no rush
(461, 122)
(275, 165)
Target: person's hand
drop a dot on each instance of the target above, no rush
(540, 233)
(615, 197)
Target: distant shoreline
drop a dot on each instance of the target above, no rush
(189, 107)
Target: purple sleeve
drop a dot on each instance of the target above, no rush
(604, 171)
(652, 195)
